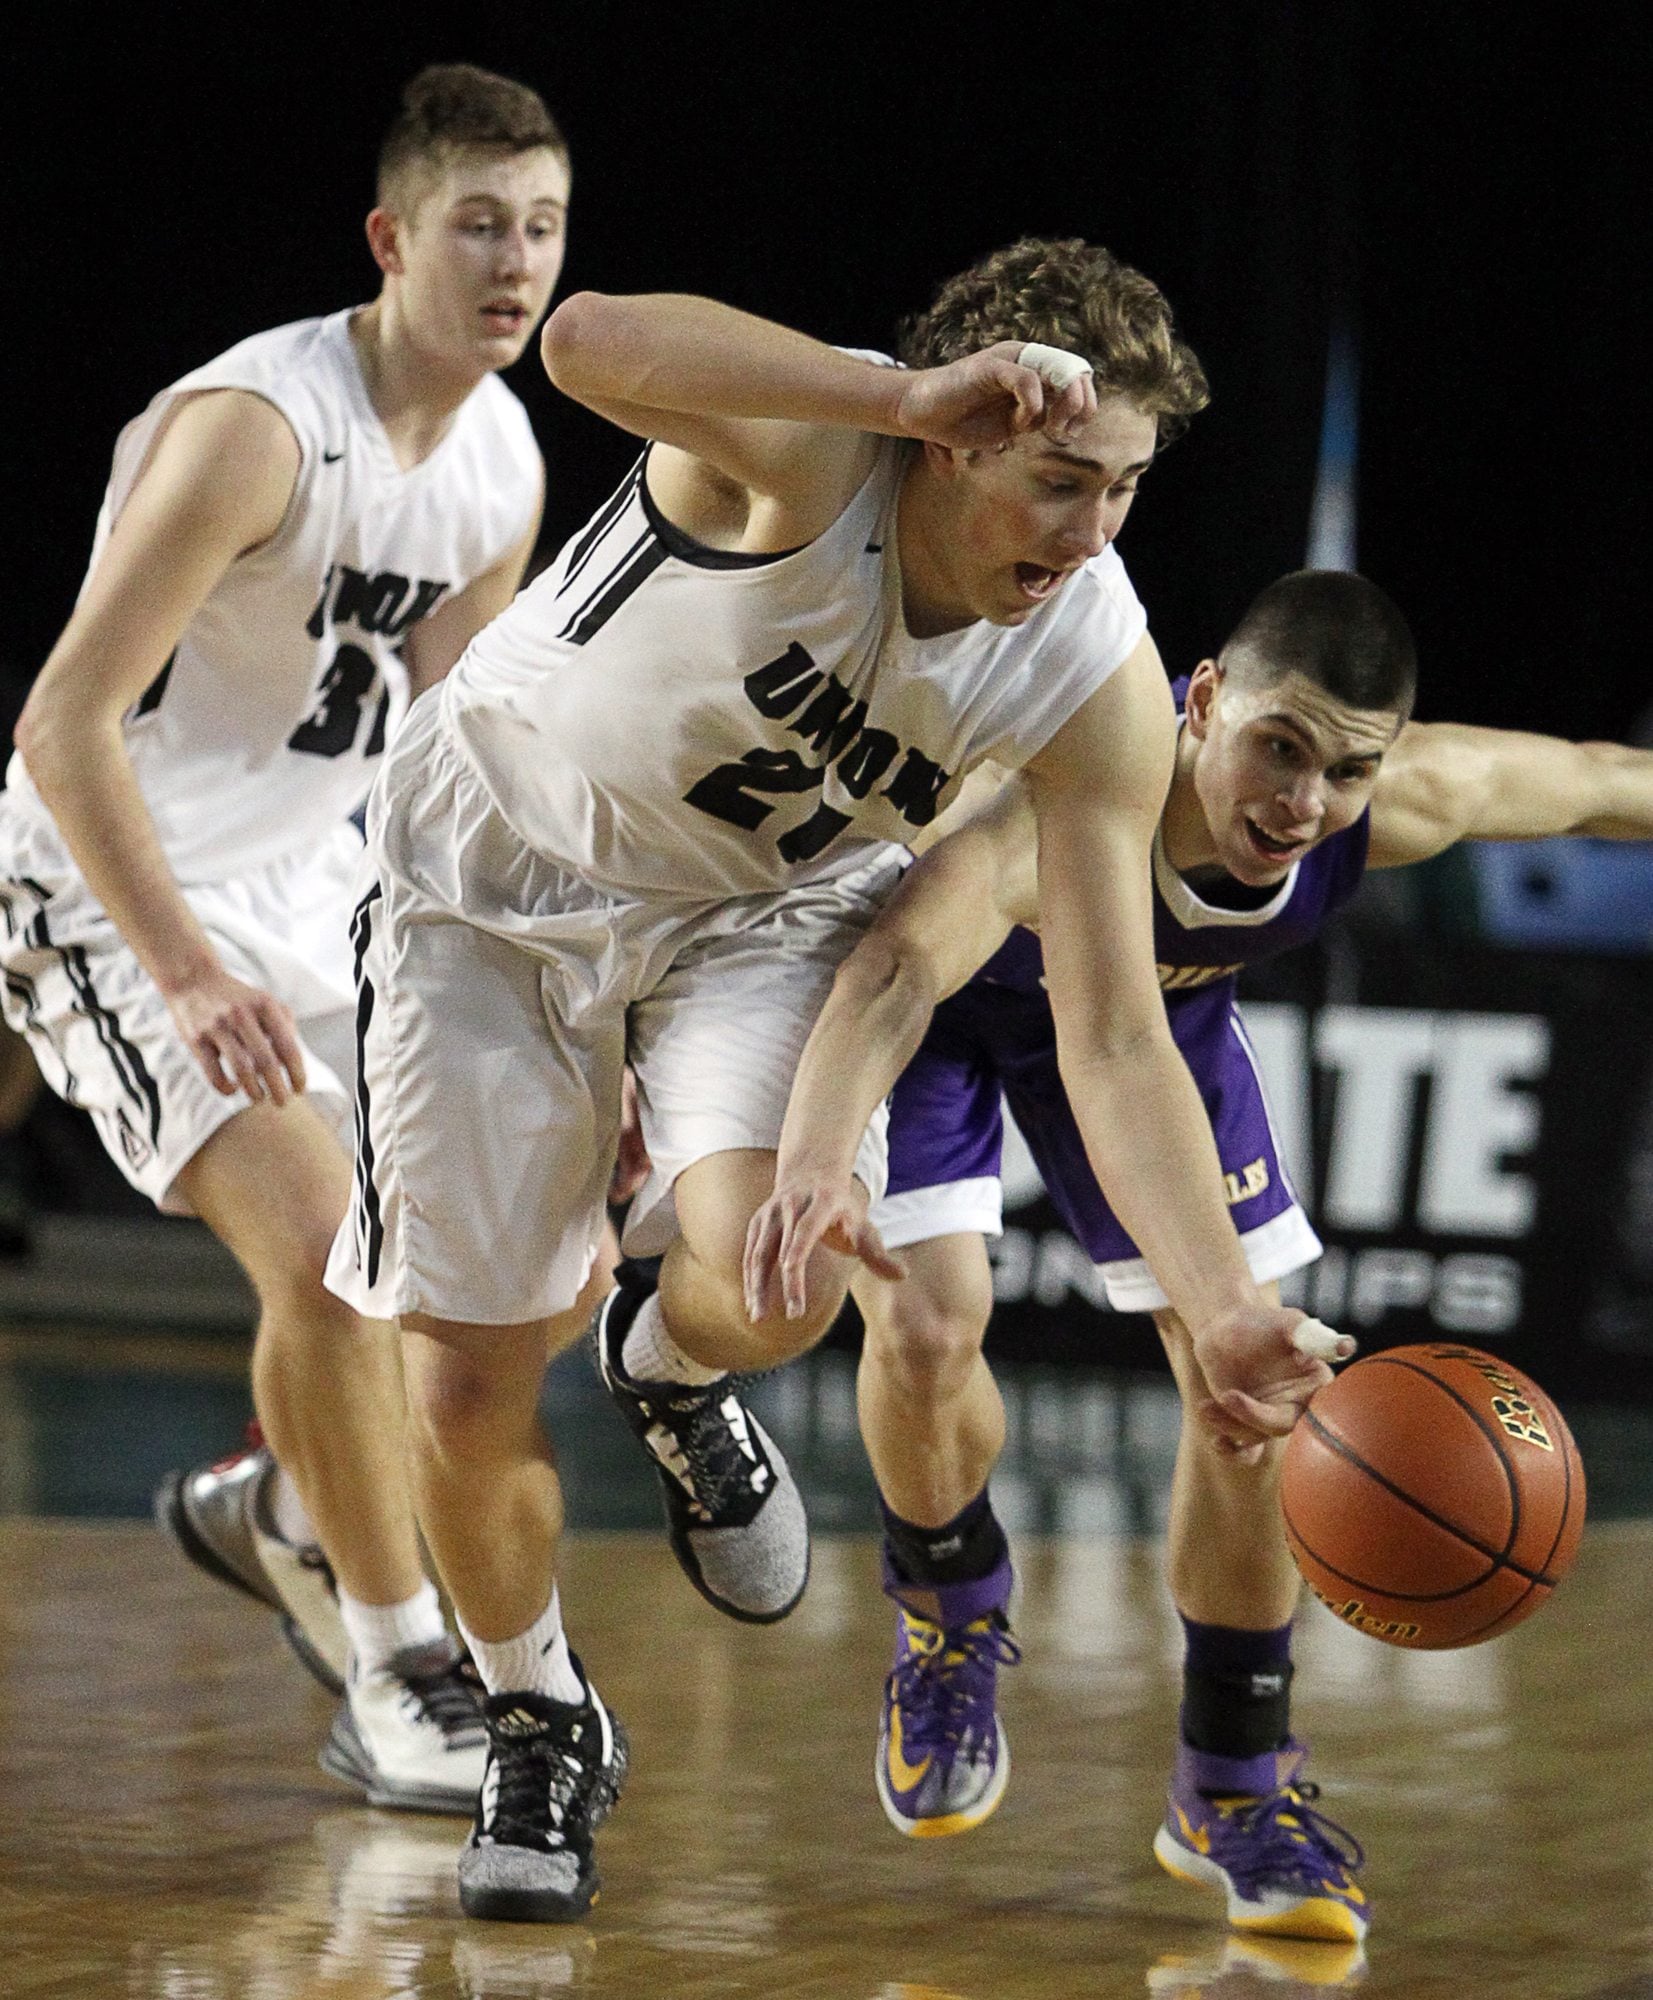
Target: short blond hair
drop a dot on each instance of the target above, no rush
(451, 108)
(1071, 294)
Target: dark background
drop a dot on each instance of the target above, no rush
(1468, 189)
(1463, 191)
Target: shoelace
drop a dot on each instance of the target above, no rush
(937, 1688)
(539, 1780)
(721, 1471)
(1287, 1838)
(451, 1698)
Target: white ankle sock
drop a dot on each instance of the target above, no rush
(649, 1354)
(536, 1661)
(286, 1511)
(378, 1632)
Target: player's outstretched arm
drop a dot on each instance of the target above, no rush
(1097, 790)
(218, 483)
(774, 415)
(1446, 782)
(950, 914)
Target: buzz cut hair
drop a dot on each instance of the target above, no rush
(453, 108)
(1336, 629)
(1067, 293)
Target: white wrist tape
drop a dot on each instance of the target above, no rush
(1316, 1340)
(1054, 365)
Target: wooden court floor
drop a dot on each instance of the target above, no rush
(167, 1835)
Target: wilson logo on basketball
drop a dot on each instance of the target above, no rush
(1509, 1406)
(1354, 1613)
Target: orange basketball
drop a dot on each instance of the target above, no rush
(1433, 1496)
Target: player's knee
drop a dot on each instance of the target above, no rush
(926, 1347)
(288, 1268)
(457, 1407)
(294, 1296)
(782, 1337)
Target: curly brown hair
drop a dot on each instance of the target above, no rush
(448, 108)
(1071, 294)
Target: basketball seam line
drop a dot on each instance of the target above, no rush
(1498, 1561)
(1490, 1433)
(1547, 1408)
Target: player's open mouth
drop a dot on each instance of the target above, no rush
(1270, 846)
(505, 318)
(1037, 583)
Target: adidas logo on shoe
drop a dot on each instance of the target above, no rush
(518, 1722)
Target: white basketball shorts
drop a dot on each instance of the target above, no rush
(101, 1032)
(500, 998)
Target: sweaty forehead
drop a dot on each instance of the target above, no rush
(1334, 729)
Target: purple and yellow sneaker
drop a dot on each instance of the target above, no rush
(943, 1761)
(1247, 1826)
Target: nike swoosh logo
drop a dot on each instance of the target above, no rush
(904, 1775)
(1196, 1836)
(331, 457)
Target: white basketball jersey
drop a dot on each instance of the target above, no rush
(681, 721)
(260, 735)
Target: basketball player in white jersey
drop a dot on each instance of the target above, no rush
(647, 815)
(292, 536)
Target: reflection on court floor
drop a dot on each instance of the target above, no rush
(169, 1836)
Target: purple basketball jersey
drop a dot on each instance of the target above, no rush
(996, 1035)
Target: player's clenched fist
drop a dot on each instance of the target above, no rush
(996, 395)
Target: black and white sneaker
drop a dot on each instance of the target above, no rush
(737, 1519)
(218, 1516)
(554, 1771)
(411, 1734)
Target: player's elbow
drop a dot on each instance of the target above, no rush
(889, 974)
(37, 732)
(1098, 1051)
(53, 734)
(581, 329)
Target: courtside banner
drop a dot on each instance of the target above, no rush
(1471, 1132)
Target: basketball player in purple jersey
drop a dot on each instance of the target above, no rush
(1296, 769)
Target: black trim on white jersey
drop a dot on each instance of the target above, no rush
(687, 549)
(370, 1227)
(609, 585)
(642, 559)
(22, 990)
(606, 516)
